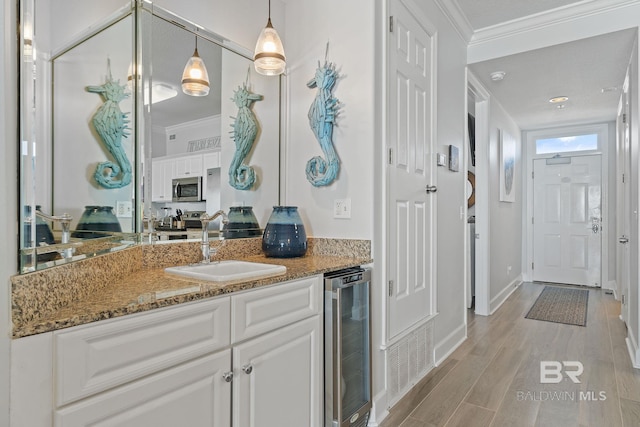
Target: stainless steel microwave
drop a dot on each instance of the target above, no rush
(187, 189)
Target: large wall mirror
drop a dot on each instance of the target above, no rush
(87, 73)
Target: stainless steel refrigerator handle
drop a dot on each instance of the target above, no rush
(337, 357)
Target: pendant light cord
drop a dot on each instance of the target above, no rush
(269, 10)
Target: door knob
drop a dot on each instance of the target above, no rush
(623, 239)
(247, 369)
(227, 376)
(431, 188)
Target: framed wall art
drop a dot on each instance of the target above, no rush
(507, 166)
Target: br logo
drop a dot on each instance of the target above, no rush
(551, 371)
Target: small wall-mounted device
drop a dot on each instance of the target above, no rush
(442, 159)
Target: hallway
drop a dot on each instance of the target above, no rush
(493, 378)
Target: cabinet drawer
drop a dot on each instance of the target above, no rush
(93, 358)
(259, 311)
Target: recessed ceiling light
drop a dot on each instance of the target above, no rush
(496, 76)
(558, 99)
(609, 89)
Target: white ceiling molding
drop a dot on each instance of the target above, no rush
(547, 18)
(458, 19)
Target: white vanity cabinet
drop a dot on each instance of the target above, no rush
(253, 359)
(193, 394)
(278, 359)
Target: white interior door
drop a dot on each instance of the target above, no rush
(410, 171)
(623, 210)
(567, 220)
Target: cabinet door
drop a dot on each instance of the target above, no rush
(210, 160)
(277, 378)
(188, 166)
(194, 394)
(161, 176)
(157, 181)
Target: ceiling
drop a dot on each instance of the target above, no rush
(579, 70)
(172, 46)
(590, 71)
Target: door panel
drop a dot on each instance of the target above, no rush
(567, 221)
(623, 203)
(411, 154)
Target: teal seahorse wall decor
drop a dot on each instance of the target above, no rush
(111, 125)
(245, 130)
(322, 115)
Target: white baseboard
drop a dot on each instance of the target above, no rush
(634, 351)
(449, 344)
(612, 286)
(379, 411)
(498, 300)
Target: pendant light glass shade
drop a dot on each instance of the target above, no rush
(269, 56)
(195, 79)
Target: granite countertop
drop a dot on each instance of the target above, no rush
(143, 289)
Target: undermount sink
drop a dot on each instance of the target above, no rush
(224, 271)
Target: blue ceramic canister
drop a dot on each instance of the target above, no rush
(242, 223)
(284, 236)
(97, 218)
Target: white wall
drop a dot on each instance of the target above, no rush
(505, 219)
(349, 29)
(77, 147)
(190, 131)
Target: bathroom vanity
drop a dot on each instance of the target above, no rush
(177, 351)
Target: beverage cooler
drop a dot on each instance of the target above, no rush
(347, 331)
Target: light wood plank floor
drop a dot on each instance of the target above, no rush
(493, 378)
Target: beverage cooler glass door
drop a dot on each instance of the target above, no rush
(351, 354)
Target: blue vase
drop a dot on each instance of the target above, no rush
(242, 223)
(284, 236)
(95, 219)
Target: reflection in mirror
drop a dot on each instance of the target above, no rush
(68, 121)
(192, 146)
(171, 137)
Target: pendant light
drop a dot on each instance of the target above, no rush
(269, 56)
(195, 79)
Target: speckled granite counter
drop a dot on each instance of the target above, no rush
(133, 280)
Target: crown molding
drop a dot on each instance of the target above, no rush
(547, 18)
(458, 19)
(205, 121)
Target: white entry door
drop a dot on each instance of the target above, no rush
(567, 220)
(410, 171)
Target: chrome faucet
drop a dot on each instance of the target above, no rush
(205, 219)
(65, 222)
(149, 220)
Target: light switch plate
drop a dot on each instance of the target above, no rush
(342, 208)
(442, 159)
(123, 209)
